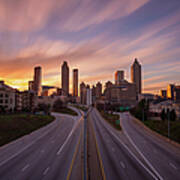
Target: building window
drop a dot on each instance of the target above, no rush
(1, 95)
(6, 101)
(11, 101)
(6, 95)
(1, 101)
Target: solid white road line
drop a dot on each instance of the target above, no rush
(172, 165)
(26, 147)
(131, 153)
(25, 167)
(123, 165)
(69, 136)
(46, 171)
(141, 154)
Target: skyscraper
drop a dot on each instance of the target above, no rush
(98, 90)
(170, 91)
(119, 76)
(83, 93)
(88, 95)
(37, 80)
(65, 78)
(136, 75)
(75, 82)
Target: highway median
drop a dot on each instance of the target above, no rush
(113, 119)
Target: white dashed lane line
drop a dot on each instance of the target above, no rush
(173, 166)
(46, 171)
(123, 165)
(25, 167)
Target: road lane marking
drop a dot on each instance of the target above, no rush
(113, 149)
(172, 165)
(130, 152)
(98, 152)
(123, 165)
(51, 127)
(142, 155)
(69, 136)
(74, 157)
(46, 171)
(25, 167)
(26, 147)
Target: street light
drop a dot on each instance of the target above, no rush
(168, 110)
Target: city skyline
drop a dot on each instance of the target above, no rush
(98, 43)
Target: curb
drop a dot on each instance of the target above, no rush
(155, 133)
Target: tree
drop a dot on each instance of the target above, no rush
(163, 115)
(58, 104)
(44, 107)
(172, 115)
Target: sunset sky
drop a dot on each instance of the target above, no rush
(96, 36)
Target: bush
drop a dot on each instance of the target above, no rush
(58, 104)
(172, 115)
(163, 115)
(141, 111)
(44, 107)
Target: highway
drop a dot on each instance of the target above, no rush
(163, 156)
(55, 152)
(118, 160)
(52, 152)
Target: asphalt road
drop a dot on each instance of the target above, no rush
(54, 152)
(118, 160)
(161, 155)
(49, 153)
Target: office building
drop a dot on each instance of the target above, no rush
(88, 95)
(7, 97)
(123, 94)
(170, 91)
(37, 80)
(75, 82)
(49, 90)
(136, 76)
(98, 90)
(83, 93)
(65, 78)
(119, 76)
(177, 94)
(29, 99)
(163, 93)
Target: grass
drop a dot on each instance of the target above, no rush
(66, 110)
(111, 118)
(81, 108)
(161, 127)
(14, 126)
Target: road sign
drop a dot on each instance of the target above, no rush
(118, 122)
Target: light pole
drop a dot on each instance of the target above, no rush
(168, 114)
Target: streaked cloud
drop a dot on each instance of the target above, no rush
(98, 37)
